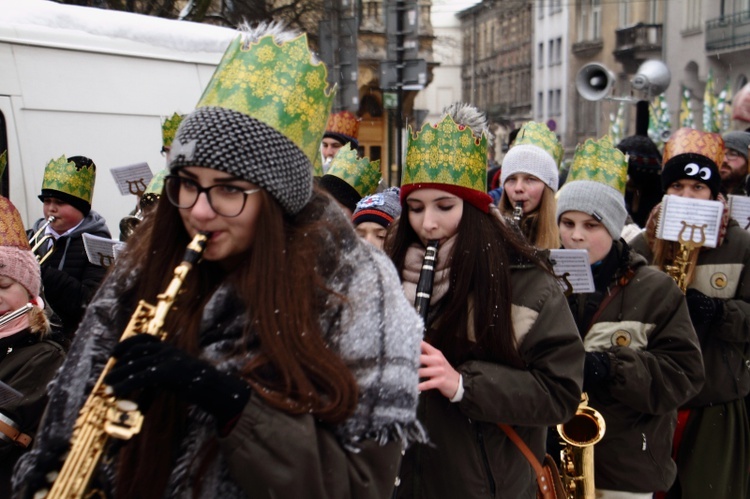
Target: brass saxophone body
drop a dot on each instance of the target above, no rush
(102, 416)
(577, 457)
(681, 267)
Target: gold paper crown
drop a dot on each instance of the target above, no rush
(3, 162)
(277, 84)
(65, 176)
(601, 162)
(169, 129)
(539, 135)
(343, 123)
(11, 226)
(691, 141)
(362, 174)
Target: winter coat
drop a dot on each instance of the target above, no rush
(69, 280)
(469, 455)
(655, 367)
(27, 364)
(270, 453)
(724, 273)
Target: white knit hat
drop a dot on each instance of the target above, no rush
(532, 160)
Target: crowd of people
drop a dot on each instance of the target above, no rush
(292, 362)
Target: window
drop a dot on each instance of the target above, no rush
(550, 103)
(558, 102)
(692, 14)
(540, 9)
(551, 54)
(540, 105)
(624, 13)
(589, 20)
(540, 55)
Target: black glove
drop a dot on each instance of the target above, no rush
(595, 370)
(47, 464)
(703, 309)
(146, 363)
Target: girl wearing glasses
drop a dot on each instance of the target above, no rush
(289, 368)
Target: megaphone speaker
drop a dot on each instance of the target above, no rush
(594, 81)
(652, 76)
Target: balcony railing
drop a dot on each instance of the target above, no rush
(638, 39)
(728, 32)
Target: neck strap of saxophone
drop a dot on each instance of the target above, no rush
(11, 433)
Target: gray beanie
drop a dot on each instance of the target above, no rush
(737, 141)
(382, 208)
(235, 143)
(532, 160)
(599, 200)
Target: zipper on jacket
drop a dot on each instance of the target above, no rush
(486, 461)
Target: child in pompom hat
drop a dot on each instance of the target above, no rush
(712, 439)
(374, 214)
(500, 344)
(28, 358)
(642, 361)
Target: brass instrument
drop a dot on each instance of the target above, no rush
(5, 319)
(128, 223)
(681, 266)
(38, 240)
(102, 416)
(577, 457)
(518, 213)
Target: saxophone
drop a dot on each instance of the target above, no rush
(681, 266)
(580, 434)
(103, 416)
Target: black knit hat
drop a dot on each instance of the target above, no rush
(341, 191)
(644, 158)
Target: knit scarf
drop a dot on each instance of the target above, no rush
(413, 266)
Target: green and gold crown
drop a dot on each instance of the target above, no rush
(262, 79)
(539, 135)
(601, 162)
(3, 162)
(154, 188)
(169, 129)
(362, 174)
(65, 176)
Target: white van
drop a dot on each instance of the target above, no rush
(80, 81)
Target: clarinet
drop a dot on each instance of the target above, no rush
(518, 212)
(426, 277)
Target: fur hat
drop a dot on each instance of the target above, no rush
(737, 141)
(16, 259)
(70, 180)
(695, 155)
(382, 208)
(536, 151)
(262, 115)
(596, 185)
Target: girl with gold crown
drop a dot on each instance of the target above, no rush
(712, 439)
(500, 345)
(28, 357)
(529, 177)
(289, 366)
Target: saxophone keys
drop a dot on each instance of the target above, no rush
(123, 420)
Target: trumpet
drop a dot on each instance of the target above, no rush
(39, 239)
(5, 319)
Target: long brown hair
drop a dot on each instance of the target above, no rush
(294, 371)
(540, 227)
(479, 287)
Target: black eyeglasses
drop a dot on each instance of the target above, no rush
(225, 199)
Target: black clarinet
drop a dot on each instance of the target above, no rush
(426, 277)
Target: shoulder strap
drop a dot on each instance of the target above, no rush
(540, 476)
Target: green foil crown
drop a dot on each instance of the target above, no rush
(169, 129)
(601, 162)
(539, 135)
(3, 162)
(276, 84)
(64, 176)
(446, 153)
(362, 174)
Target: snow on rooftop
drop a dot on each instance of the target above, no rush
(169, 34)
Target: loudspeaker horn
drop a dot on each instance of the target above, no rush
(652, 77)
(594, 81)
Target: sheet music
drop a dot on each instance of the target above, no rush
(574, 265)
(101, 250)
(698, 212)
(739, 209)
(132, 179)
(8, 394)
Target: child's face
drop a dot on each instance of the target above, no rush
(688, 188)
(525, 189)
(372, 232)
(579, 230)
(12, 295)
(66, 216)
(434, 214)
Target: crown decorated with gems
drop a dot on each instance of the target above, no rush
(600, 161)
(169, 129)
(65, 176)
(539, 135)
(446, 153)
(691, 141)
(3, 162)
(259, 79)
(361, 173)
(343, 123)
(11, 226)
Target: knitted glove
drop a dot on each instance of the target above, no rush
(146, 363)
(703, 309)
(595, 370)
